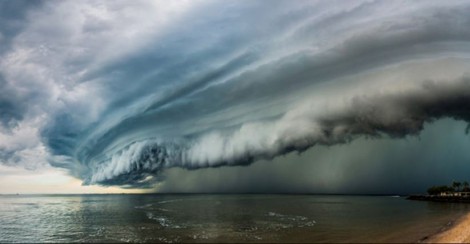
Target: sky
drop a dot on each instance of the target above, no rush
(368, 97)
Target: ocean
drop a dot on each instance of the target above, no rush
(221, 218)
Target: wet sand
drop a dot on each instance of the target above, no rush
(459, 232)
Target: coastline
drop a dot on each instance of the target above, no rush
(438, 198)
(458, 232)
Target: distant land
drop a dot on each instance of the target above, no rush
(456, 192)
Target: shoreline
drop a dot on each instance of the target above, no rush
(457, 232)
(433, 198)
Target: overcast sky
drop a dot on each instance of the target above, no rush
(233, 96)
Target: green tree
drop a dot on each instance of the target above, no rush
(466, 186)
(436, 190)
(456, 185)
(433, 190)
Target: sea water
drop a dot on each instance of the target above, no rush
(221, 218)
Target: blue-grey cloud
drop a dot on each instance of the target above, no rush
(127, 91)
(12, 17)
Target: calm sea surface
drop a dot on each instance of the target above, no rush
(220, 218)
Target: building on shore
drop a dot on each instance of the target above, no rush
(455, 194)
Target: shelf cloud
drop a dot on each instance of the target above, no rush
(117, 93)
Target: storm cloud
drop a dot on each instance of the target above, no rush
(118, 93)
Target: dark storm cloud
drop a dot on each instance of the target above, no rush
(130, 90)
(364, 166)
(394, 115)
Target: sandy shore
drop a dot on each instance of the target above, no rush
(457, 233)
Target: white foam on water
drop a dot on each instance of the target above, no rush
(291, 221)
(144, 206)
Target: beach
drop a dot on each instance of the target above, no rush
(458, 232)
